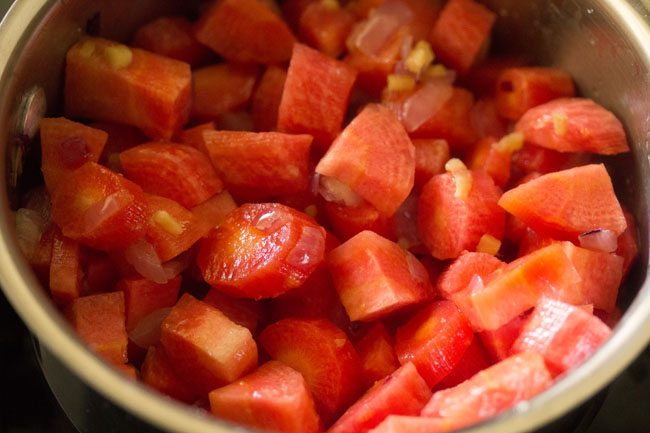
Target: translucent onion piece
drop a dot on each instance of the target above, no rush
(142, 256)
(425, 103)
(334, 190)
(38, 199)
(100, 212)
(29, 229)
(147, 332)
(599, 240)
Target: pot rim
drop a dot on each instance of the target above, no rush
(43, 319)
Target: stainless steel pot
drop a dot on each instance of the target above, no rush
(604, 44)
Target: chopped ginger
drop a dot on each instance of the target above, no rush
(560, 123)
(488, 244)
(420, 58)
(401, 83)
(118, 56)
(331, 4)
(436, 71)
(168, 222)
(511, 143)
(462, 177)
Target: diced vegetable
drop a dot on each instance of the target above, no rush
(171, 170)
(375, 277)
(111, 82)
(226, 28)
(205, 348)
(374, 157)
(315, 95)
(322, 353)
(261, 251)
(273, 397)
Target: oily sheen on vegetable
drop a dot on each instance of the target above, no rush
(354, 218)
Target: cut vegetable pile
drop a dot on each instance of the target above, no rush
(330, 216)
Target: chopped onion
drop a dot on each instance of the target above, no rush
(142, 256)
(29, 229)
(38, 199)
(176, 266)
(373, 35)
(147, 332)
(425, 103)
(98, 213)
(599, 240)
(334, 190)
(398, 9)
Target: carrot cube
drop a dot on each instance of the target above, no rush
(220, 89)
(326, 27)
(377, 355)
(171, 228)
(520, 89)
(226, 28)
(142, 297)
(158, 373)
(315, 96)
(266, 99)
(404, 392)
(522, 282)
(574, 125)
(214, 210)
(376, 277)
(244, 312)
(67, 145)
(435, 339)
(374, 157)
(449, 224)
(194, 136)
(567, 203)
(488, 393)
(451, 122)
(461, 32)
(274, 397)
(111, 82)
(65, 269)
(99, 320)
(563, 334)
(206, 348)
(256, 165)
(176, 171)
(172, 37)
(431, 155)
(322, 353)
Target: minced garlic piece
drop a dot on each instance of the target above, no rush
(118, 56)
(87, 48)
(560, 123)
(511, 143)
(436, 71)
(462, 177)
(168, 222)
(401, 83)
(420, 57)
(331, 4)
(488, 244)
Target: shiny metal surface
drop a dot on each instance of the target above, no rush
(604, 44)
